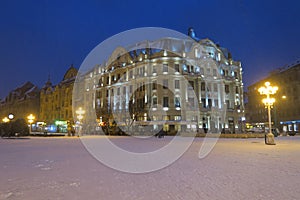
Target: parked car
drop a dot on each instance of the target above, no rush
(291, 133)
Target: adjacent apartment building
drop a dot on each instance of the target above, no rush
(21, 102)
(285, 113)
(56, 102)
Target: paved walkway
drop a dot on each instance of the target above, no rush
(61, 168)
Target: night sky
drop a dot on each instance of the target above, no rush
(45, 37)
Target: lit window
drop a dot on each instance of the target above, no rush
(177, 102)
(184, 68)
(177, 117)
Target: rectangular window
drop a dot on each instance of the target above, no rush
(227, 89)
(177, 85)
(191, 84)
(154, 85)
(236, 89)
(202, 86)
(184, 68)
(154, 102)
(165, 83)
(166, 117)
(209, 103)
(203, 102)
(216, 102)
(176, 67)
(177, 102)
(165, 67)
(177, 118)
(166, 102)
(227, 104)
(131, 74)
(154, 69)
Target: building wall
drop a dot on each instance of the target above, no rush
(56, 101)
(286, 111)
(21, 102)
(124, 88)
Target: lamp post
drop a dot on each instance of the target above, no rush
(30, 118)
(10, 117)
(79, 112)
(268, 90)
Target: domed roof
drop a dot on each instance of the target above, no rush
(71, 73)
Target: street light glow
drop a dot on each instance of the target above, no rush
(268, 90)
(5, 120)
(30, 118)
(11, 116)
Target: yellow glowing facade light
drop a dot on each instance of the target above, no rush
(80, 112)
(30, 118)
(5, 120)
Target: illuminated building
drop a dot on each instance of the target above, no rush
(156, 87)
(56, 101)
(286, 109)
(21, 102)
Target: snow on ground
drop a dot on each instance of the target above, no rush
(61, 168)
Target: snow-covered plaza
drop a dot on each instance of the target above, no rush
(55, 168)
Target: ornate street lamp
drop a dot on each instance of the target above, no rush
(268, 90)
(30, 118)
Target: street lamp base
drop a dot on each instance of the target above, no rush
(269, 139)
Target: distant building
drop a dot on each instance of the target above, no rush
(21, 102)
(286, 109)
(164, 89)
(56, 100)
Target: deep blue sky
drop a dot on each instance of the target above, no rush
(44, 37)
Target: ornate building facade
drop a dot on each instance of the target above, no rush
(21, 102)
(56, 101)
(189, 85)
